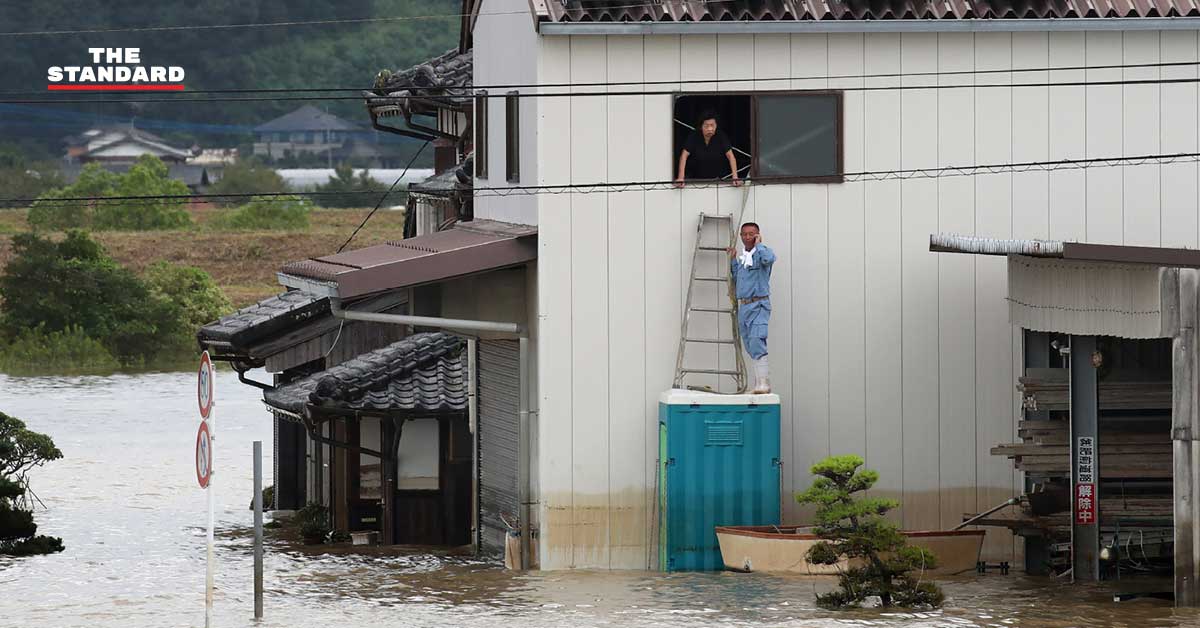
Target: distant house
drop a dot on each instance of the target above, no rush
(311, 131)
(118, 147)
(121, 144)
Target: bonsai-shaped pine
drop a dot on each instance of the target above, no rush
(880, 560)
(22, 449)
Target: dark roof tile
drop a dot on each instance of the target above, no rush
(424, 372)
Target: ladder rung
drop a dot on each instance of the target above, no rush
(711, 278)
(717, 216)
(713, 248)
(711, 371)
(715, 341)
(719, 310)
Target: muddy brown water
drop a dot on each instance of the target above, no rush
(126, 503)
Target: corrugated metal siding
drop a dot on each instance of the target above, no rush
(499, 398)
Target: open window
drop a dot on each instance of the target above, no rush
(776, 137)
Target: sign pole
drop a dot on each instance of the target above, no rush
(206, 389)
(208, 584)
(258, 531)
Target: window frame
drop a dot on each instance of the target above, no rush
(512, 137)
(839, 140)
(481, 134)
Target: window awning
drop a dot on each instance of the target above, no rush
(1081, 288)
(465, 249)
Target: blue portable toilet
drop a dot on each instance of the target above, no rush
(719, 465)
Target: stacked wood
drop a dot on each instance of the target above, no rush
(1130, 448)
(1135, 512)
(1045, 394)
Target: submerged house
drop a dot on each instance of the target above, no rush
(865, 128)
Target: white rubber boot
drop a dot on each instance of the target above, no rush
(762, 378)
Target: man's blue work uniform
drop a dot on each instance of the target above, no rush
(753, 289)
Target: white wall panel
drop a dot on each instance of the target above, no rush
(810, 289)
(956, 282)
(994, 120)
(847, 269)
(591, 349)
(555, 419)
(1068, 140)
(919, 214)
(627, 390)
(1140, 126)
(1031, 190)
(1178, 134)
(663, 248)
(882, 267)
(1105, 189)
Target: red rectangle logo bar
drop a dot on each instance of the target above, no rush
(116, 87)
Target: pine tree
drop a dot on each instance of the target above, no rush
(880, 562)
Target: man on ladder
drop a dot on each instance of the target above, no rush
(751, 270)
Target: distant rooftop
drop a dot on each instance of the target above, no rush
(307, 118)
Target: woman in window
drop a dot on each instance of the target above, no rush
(707, 153)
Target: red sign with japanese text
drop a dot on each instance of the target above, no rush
(1085, 504)
(1085, 481)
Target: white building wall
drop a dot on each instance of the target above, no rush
(879, 347)
(505, 54)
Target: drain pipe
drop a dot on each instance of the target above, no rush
(523, 411)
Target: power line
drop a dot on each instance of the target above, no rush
(848, 88)
(603, 187)
(510, 86)
(199, 27)
(380, 201)
(362, 20)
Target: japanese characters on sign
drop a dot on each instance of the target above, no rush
(1085, 481)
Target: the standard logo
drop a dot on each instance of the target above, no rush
(115, 69)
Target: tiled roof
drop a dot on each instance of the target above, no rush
(424, 372)
(265, 318)
(448, 74)
(794, 10)
(307, 118)
(456, 178)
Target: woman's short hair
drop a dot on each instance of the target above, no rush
(709, 114)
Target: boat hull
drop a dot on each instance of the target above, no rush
(782, 549)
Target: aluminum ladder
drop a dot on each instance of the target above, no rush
(739, 373)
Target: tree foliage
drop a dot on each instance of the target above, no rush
(74, 284)
(147, 177)
(267, 213)
(344, 189)
(247, 176)
(880, 562)
(198, 297)
(326, 55)
(21, 450)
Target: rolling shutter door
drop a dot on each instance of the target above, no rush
(499, 390)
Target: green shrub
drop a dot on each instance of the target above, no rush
(262, 213)
(854, 529)
(247, 176)
(147, 177)
(344, 189)
(21, 450)
(74, 284)
(71, 349)
(193, 290)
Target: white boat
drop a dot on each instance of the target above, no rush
(783, 549)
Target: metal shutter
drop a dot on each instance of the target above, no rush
(499, 390)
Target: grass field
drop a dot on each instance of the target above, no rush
(243, 263)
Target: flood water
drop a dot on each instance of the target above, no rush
(124, 499)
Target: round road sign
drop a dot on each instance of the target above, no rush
(203, 455)
(204, 385)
